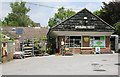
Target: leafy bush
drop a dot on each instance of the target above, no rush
(46, 50)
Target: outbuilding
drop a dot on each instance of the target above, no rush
(7, 49)
(84, 29)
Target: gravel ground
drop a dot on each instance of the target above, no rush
(99, 64)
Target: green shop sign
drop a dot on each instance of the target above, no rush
(102, 38)
(99, 43)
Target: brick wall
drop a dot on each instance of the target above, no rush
(75, 50)
(86, 44)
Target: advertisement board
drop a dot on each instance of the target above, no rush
(99, 43)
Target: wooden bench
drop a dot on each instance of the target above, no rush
(86, 49)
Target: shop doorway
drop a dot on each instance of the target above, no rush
(112, 41)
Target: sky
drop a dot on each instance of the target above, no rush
(40, 14)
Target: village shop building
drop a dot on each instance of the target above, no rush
(84, 29)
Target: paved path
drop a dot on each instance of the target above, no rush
(63, 65)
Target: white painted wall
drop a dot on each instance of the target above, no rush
(119, 46)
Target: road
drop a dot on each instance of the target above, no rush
(99, 64)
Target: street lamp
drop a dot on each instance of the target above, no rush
(62, 43)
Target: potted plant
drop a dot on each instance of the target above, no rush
(58, 54)
(68, 52)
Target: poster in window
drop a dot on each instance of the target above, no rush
(99, 43)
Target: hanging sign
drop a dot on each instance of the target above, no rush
(86, 39)
(67, 41)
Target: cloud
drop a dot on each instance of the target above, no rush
(4, 9)
(93, 7)
(40, 18)
(41, 14)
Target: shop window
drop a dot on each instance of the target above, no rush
(73, 41)
(97, 41)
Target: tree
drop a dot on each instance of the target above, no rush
(3, 23)
(98, 13)
(3, 37)
(117, 28)
(112, 12)
(0, 23)
(61, 15)
(18, 16)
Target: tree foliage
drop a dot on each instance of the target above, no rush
(3, 23)
(117, 28)
(111, 14)
(61, 15)
(98, 13)
(19, 16)
(5, 38)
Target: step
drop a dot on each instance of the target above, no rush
(28, 47)
(27, 55)
(86, 47)
(85, 50)
(27, 50)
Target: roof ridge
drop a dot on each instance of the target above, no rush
(101, 19)
(64, 20)
(67, 18)
(89, 12)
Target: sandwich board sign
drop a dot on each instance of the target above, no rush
(97, 49)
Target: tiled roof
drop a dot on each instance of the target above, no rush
(28, 32)
(78, 23)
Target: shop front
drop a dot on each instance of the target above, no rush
(82, 30)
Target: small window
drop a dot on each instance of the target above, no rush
(85, 18)
(13, 29)
(19, 31)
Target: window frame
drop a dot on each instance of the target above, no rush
(99, 36)
(73, 41)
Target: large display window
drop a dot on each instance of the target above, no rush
(97, 41)
(73, 41)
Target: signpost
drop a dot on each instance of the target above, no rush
(97, 49)
(62, 43)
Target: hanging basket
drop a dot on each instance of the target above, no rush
(67, 41)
